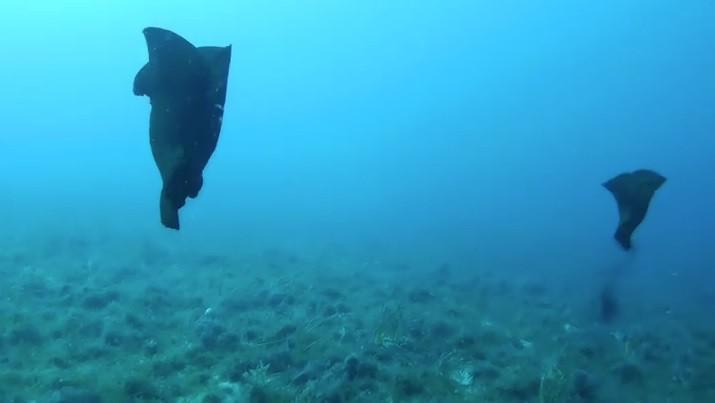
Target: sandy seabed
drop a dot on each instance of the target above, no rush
(139, 323)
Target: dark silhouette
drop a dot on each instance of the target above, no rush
(609, 304)
(187, 89)
(633, 193)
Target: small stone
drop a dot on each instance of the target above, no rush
(409, 387)
(442, 330)
(332, 293)
(420, 296)
(629, 373)
(141, 389)
(367, 370)
(134, 321)
(351, 367)
(276, 299)
(250, 335)
(466, 341)
(584, 385)
(151, 347)
(99, 300)
(113, 339)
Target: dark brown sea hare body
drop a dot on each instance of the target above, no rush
(633, 192)
(187, 89)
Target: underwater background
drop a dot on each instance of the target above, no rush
(405, 205)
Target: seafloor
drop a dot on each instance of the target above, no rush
(86, 321)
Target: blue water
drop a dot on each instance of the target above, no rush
(472, 132)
